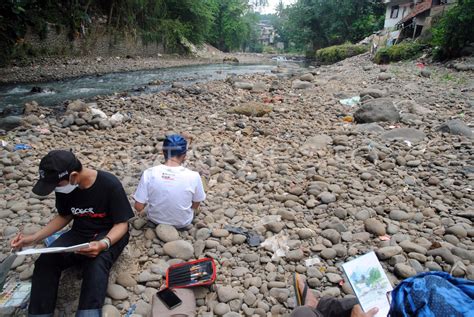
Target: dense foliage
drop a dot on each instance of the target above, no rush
(234, 25)
(321, 23)
(398, 52)
(229, 24)
(336, 53)
(454, 31)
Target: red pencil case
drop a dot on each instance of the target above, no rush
(200, 272)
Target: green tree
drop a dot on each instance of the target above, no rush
(321, 23)
(374, 276)
(231, 26)
(454, 31)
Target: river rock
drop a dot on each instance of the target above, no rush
(306, 233)
(328, 253)
(327, 197)
(221, 309)
(456, 127)
(374, 226)
(377, 110)
(126, 280)
(179, 249)
(409, 246)
(295, 255)
(457, 230)
(386, 253)
(116, 292)
(203, 234)
(307, 77)
(332, 235)
(299, 84)
(404, 271)
(252, 109)
(110, 311)
(402, 134)
(317, 142)
(243, 85)
(10, 122)
(399, 215)
(227, 293)
(280, 294)
(77, 106)
(167, 233)
(444, 253)
(376, 93)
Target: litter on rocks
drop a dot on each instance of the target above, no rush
(21, 147)
(278, 244)
(350, 102)
(312, 261)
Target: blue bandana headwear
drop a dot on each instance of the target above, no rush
(174, 145)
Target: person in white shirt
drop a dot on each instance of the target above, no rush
(171, 191)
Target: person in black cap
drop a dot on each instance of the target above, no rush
(172, 192)
(99, 208)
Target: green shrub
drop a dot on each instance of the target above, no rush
(333, 54)
(454, 30)
(269, 50)
(398, 52)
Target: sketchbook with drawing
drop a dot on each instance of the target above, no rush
(369, 282)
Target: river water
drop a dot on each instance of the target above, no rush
(135, 82)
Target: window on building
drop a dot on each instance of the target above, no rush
(394, 13)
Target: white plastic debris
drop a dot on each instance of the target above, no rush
(350, 102)
(312, 261)
(278, 244)
(269, 219)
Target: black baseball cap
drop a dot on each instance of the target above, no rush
(56, 166)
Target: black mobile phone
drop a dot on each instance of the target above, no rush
(169, 298)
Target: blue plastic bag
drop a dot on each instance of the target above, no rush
(21, 146)
(433, 294)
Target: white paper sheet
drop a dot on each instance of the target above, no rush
(54, 250)
(369, 282)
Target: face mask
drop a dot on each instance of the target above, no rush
(65, 189)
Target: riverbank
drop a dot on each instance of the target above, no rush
(283, 158)
(59, 68)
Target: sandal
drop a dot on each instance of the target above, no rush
(299, 294)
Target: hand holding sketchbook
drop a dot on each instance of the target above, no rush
(369, 282)
(72, 248)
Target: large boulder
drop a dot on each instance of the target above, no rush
(456, 127)
(10, 122)
(377, 110)
(179, 249)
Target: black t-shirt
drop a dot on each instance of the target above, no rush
(97, 208)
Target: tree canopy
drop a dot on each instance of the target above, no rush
(228, 24)
(321, 23)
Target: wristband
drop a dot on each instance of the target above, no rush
(107, 243)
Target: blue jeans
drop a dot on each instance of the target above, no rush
(95, 275)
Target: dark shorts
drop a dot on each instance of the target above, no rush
(327, 307)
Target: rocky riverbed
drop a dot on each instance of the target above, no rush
(283, 157)
(57, 68)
